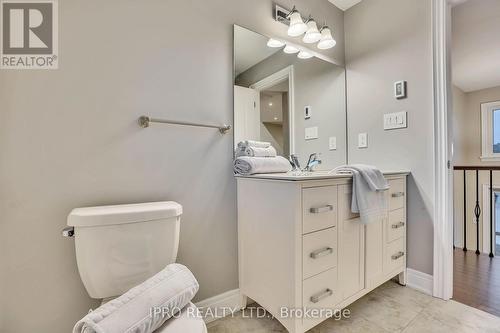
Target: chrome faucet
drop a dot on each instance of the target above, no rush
(294, 161)
(312, 162)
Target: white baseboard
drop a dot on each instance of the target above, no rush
(220, 304)
(419, 281)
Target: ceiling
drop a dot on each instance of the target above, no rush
(250, 48)
(476, 45)
(345, 4)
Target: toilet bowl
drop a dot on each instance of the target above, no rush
(118, 247)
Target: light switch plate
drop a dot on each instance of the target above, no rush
(307, 112)
(362, 140)
(311, 133)
(395, 120)
(332, 143)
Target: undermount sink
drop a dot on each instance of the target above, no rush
(311, 173)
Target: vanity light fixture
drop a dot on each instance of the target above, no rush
(274, 43)
(289, 49)
(304, 55)
(312, 34)
(326, 41)
(297, 26)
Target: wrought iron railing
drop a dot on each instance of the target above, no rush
(477, 207)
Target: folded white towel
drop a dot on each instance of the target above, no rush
(368, 184)
(138, 310)
(255, 144)
(251, 165)
(256, 152)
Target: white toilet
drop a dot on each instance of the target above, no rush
(119, 247)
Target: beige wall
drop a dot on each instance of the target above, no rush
(69, 138)
(467, 125)
(387, 41)
(467, 151)
(475, 47)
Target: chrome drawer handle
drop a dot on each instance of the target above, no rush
(398, 194)
(324, 209)
(398, 225)
(324, 294)
(321, 252)
(397, 255)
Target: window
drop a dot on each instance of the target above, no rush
(490, 121)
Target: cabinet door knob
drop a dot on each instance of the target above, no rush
(397, 194)
(398, 225)
(323, 209)
(397, 255)
(321, 252)
(324, 294)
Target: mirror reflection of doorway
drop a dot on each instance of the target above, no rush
(274, 117)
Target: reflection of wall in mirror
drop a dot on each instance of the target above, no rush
(271, 116)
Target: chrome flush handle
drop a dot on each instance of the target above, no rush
(68, 232)
(398, 194)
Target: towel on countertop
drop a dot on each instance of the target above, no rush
(256, 152)
(368, 186)
(254, 144)
(246, 165)
(170, 290)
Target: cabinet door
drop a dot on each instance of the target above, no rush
(374, 258)
(351, 247)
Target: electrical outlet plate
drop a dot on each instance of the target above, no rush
(362, 140)
(332, 143)
(395, 120)
(311, 133)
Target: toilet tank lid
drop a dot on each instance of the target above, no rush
(121, 214)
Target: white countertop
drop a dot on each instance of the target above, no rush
(315, 175)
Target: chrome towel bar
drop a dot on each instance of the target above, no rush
(144, 122)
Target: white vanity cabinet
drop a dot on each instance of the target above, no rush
(300, 247)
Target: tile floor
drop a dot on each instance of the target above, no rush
(389, 308)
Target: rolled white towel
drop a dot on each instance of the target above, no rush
(255, 144)
(246, 165)
(256, 152)
(138, 310)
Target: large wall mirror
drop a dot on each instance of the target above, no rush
(297, 104)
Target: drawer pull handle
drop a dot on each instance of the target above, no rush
(397, 255)
(398, 194)
(324, 209)
(398, 225)
(321, 252)
(324, 294)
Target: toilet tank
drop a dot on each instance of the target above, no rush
(118, 247)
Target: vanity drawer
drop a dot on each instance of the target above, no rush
(319, 206)
(397, 194)
(396, 225)
(395, 255)
(321, 291)
(319, 252)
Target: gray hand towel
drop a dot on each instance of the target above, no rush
(368, 186)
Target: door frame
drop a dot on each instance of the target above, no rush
(443, 206)
(286, 73)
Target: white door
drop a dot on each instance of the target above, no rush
(246, 114)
